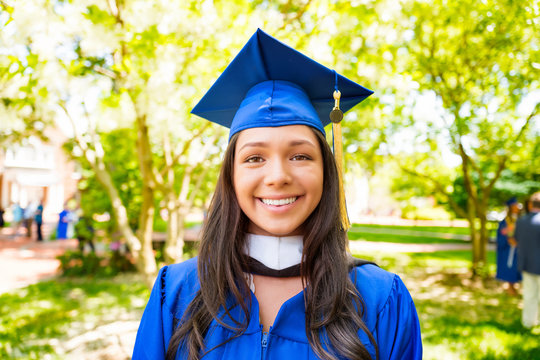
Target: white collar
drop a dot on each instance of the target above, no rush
(275, 252)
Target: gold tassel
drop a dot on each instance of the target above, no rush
(336, 115)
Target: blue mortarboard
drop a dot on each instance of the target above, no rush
(511, 201)
(270, 84)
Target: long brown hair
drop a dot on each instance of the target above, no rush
(334, 308)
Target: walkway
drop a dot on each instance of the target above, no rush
(24, 261)
(357, 246)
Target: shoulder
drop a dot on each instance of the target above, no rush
(528, 220)
(178, 283)
(390, 313)
(373, 283)
(379, 290)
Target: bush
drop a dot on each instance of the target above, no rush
(76, 263)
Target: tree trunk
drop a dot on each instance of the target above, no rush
(483, 240)
(147, 261)
(174, 245)
(478, 229)
(120, 212)
(477, 262)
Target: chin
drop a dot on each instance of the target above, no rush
(278, 231)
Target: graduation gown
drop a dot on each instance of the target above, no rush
(390, 315)
(505, 257)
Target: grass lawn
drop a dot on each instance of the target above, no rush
(37, 321)
(410, 234)
(402, 239)
(441, 229)
(461, 318)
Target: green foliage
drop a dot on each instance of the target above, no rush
(99, 16)
(425, 213)
(77, 263)
(480, 65)
(121, 160)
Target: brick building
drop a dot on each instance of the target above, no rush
(35, 171)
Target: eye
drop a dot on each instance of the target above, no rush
(300, 157)
(254, 159)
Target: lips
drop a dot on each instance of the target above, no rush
(279, 202)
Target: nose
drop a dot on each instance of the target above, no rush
(278, 173)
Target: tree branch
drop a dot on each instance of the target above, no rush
(185, 148)
(535, 112)
(465, 162)
(103, 71)
(202, 175)
(78, 137)
(438, 187)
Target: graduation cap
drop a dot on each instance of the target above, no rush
(270, 84)
(511, 201)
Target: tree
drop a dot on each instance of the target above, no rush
(132, 64)
(139, 65)
(478, 60)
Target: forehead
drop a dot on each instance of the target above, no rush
(277, 135)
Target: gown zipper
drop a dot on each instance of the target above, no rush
(264, 344)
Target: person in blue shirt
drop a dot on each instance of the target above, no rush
(17, 213)
(63, 222)
(38, 218)
(273, 278)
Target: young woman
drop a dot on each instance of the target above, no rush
(273, 279)
(507, 266)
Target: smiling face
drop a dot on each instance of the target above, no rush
(278, 178)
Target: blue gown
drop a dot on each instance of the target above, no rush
(505, 272)
(391, 317)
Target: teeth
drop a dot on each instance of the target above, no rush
(277, 202)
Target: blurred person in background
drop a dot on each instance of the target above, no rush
(38, 218)
(63, 220)
(528, 242)
(17, 216)
(527, 205)
(507, 268)
(84, 232)
(2, 211)
(28, 216)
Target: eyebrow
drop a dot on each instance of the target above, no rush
(265, 144)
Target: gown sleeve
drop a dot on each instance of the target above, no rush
(398, 327)
(156, 324)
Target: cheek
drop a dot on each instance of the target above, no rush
(316, 184)
(320, 187)
(241, 186)
(237, 181)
